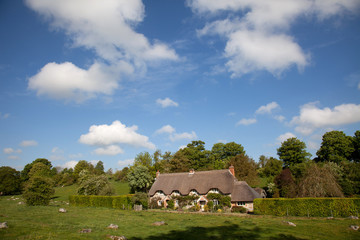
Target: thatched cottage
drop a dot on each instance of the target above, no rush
(202, 183)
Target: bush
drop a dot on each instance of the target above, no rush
(38, 191)
(95, 185)
(238, 209)
(312, 207)
(154, 203)
(210, 205)
(140, 198)
(171, 204)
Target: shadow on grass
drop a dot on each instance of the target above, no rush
(227, 232)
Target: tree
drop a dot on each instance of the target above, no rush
(144, 159)
(40, 169)
(292, 152)
(140, 198)
(356, 144)
(272, 168)
(335, 147)
(99, 168)
(245, 169)
(95, 185)
(285, 183)
(25, 172)
(9, 181)
(179, 162)
(81, 165)
(139, 179)
(121, 175)
(38, 190)
(197, 154)
(222, 153)
(319, 182)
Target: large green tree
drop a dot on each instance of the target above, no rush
(197, 154)
(272, 168)
(99, 168)
(9, 181)
(245, 169)
(25, 172)
(221, 153)
(356, 144)
(292, 152)
(335, 147)
(139, 179)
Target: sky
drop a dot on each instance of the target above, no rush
(105, 80)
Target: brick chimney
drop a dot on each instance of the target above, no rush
(232, 170)
(157, 173)
(191, 171)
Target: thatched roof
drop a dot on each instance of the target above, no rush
(202, 182)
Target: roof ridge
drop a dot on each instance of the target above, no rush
(206, 171)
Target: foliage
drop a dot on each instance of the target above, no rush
(99, 168)
(185, 200)
(121, 175)
(95, 185)
(82, 165)
(285, 183)
(310, 207)
(171, 204)
(335, 147)
(245, 169)
(118, 202)
(272, 167)
(221, 153)
(40, 169)
(356, 144)
(38, 190)
(292, 152)
(154, 203)
(140, 198)
(210, 205)
(9, 181)
(319, 182)
(139, 179)
(224, 201)
(238, 209)
(25, 172)
(144, 159)
(179, 162)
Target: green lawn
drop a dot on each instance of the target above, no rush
(46, 223)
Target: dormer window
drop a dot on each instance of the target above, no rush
(175, 193)
(193, 192)
(214, 190)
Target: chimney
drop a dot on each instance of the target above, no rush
(157, 173)
(191, 171)
(232, 170)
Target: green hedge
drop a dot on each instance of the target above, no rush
(312, 207)
(119, 202)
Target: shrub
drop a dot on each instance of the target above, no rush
(238, 209)
(210, 205)
(122, 202)
(154, 203)
(38, 191)
(9, 181)
(95, 185)
(140, 198)
(171, 204)
(312, 207)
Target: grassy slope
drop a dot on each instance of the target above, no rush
(46, 223)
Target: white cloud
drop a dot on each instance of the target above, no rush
(166, 102)
(11, 150)
(69, 82)
(165, 129)
(94, 162)
(4, 116)
(313, 145)
(125, 163)
(109, 150)
(280, 118)
(173, 135)
(182, 147)
(28, 143)
(76, 156)
(106, 29)
(259, 38)
(116, 133)
(359, 86)
(70, 164)
(246, 121)
(181, 136)
(268, 108)
(13, 157)
(284, 137)
(57, 154)
(311, 117)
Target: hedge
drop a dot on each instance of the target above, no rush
(307, 207)
(119, 202)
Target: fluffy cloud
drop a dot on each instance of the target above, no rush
(284, 137)
(105, 28)
(311, 117)
(259, 39)
(268, 108)
(173, 135)
(109, 150)
(28, 143)
(67, 81)
(116, 133)
(246, 121)
(70, 164)
(166, 102)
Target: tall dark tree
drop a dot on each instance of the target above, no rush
(25, 172)
(197, 155)
(99, 168)
(272, 168)
(221, 153)
(335, 147)
(9, 181)
(292, 152)
(356, 144)
(286, 184)
(179, 162)
(245, 169)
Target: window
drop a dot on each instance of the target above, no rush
(216, 202)
(214, 190)
(240, 203)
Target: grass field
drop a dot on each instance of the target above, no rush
(46, 223)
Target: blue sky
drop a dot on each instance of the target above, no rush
(106, 80)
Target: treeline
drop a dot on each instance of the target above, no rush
(333, 172)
